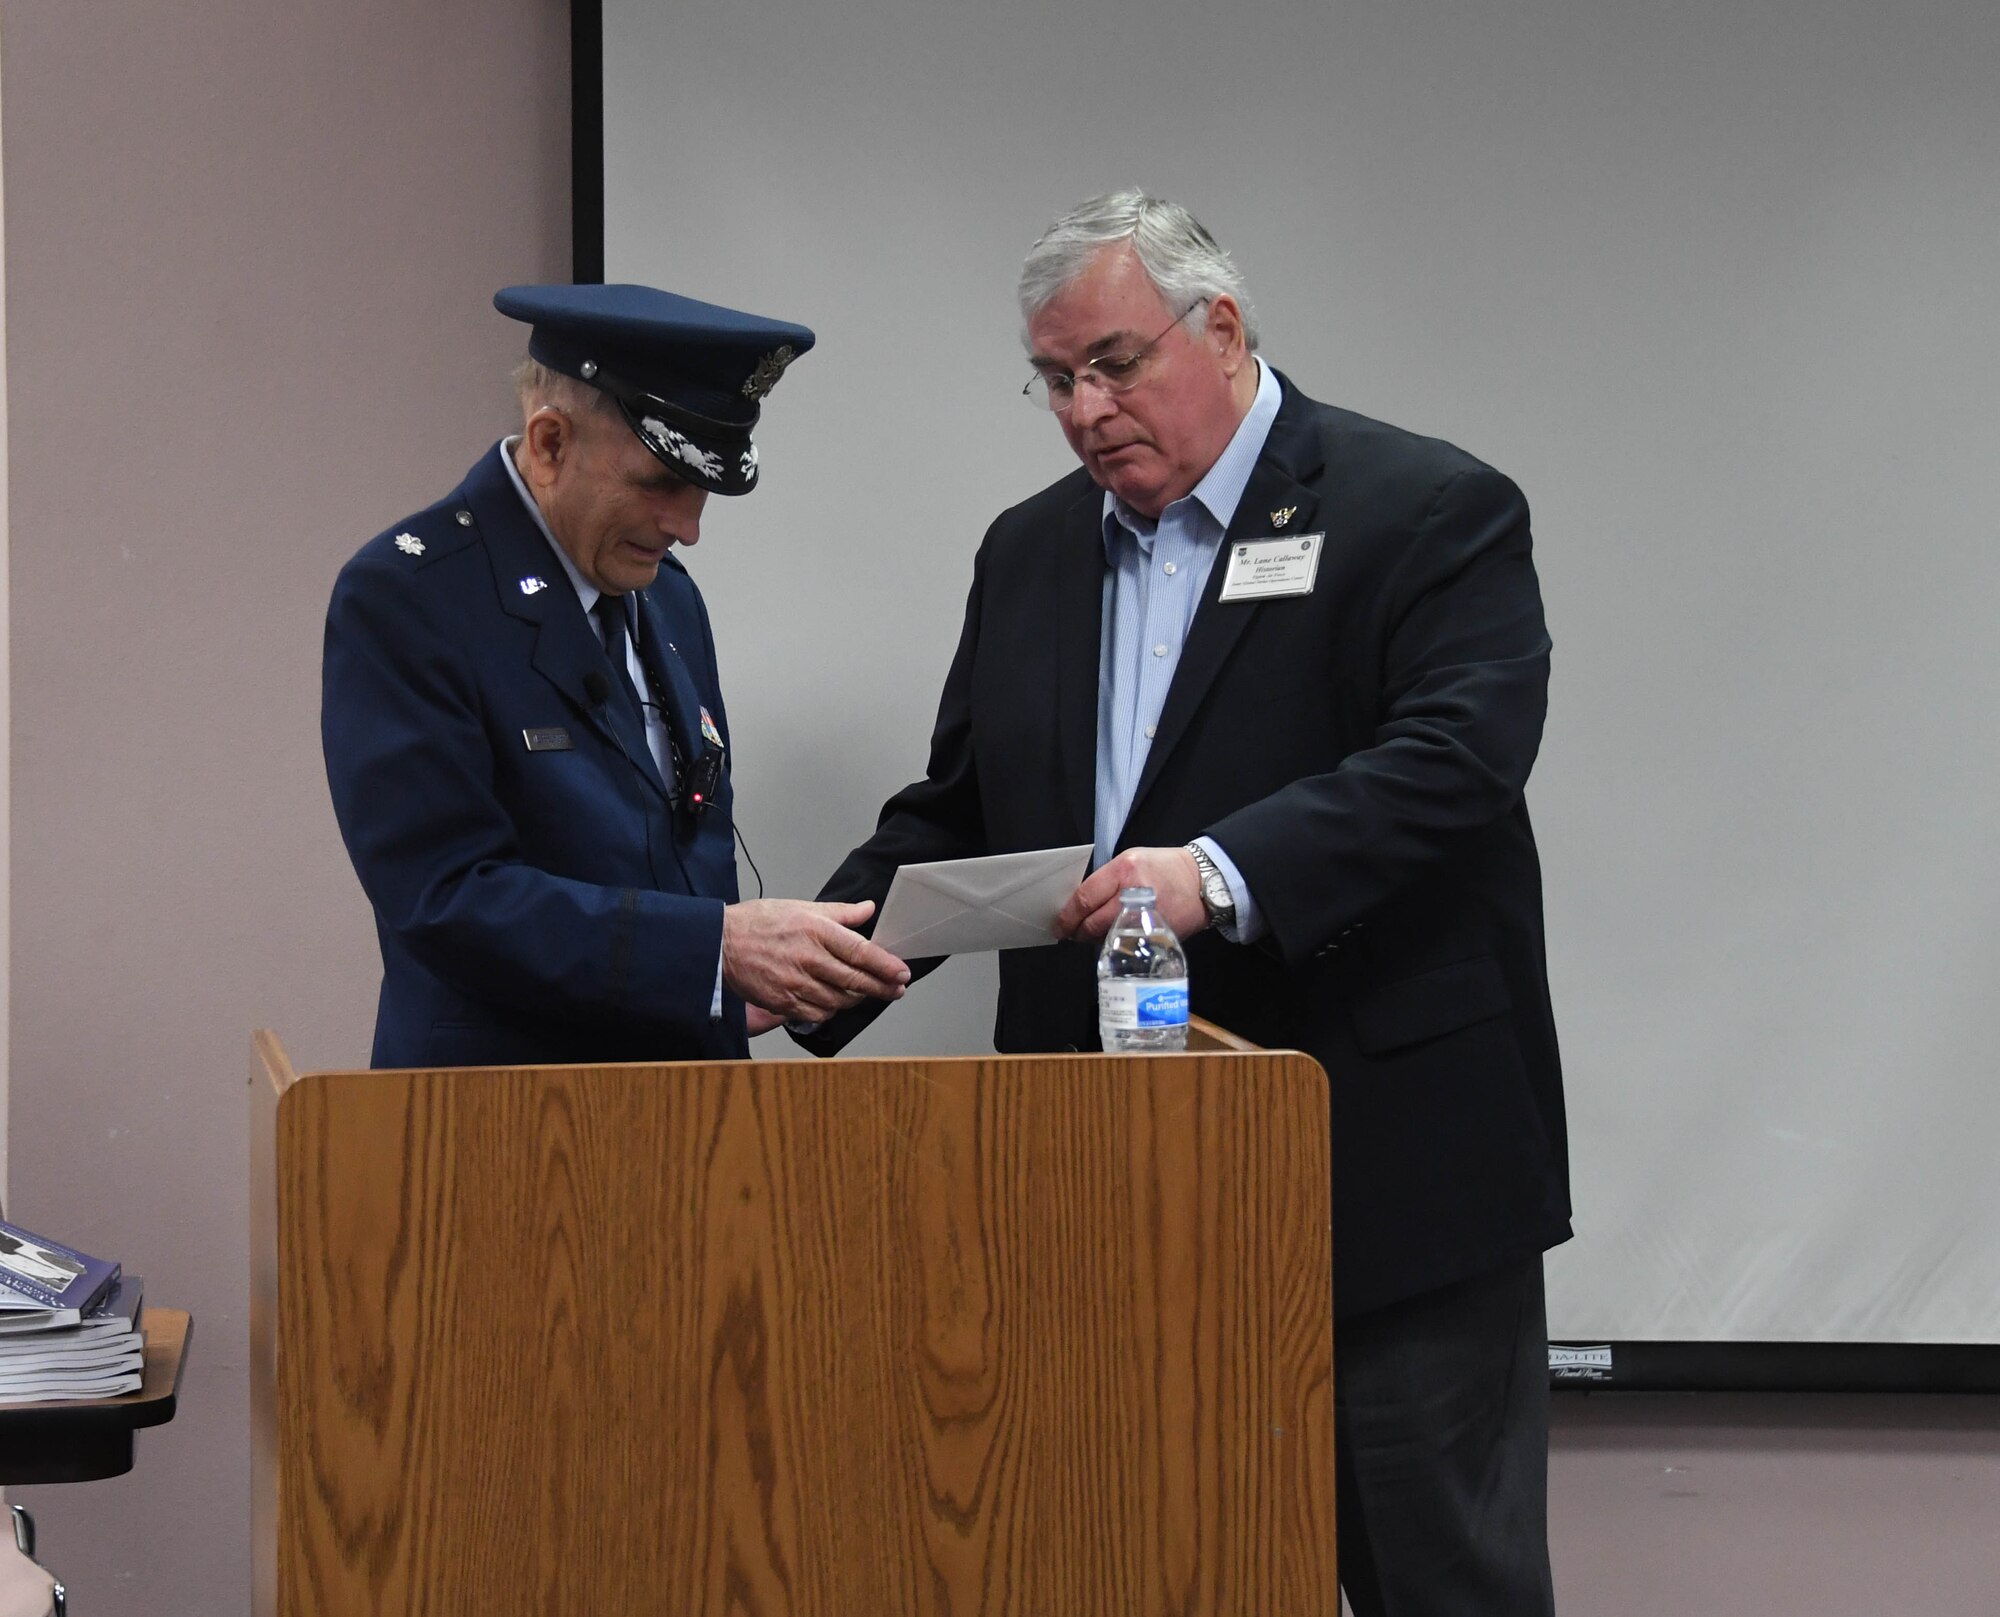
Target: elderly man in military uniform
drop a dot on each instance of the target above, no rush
(524, 730)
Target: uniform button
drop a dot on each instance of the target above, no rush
(1171, 569)
(1151, 731)
(1160, 650)
(465, 519)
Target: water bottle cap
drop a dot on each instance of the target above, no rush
(1137, 895)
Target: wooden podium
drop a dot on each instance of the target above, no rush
(1024, 1335)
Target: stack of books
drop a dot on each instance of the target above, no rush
(69, 1323)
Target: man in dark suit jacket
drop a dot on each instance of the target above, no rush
(1287, 666)
(524, 732)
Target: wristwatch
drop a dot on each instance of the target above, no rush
(1215, 895)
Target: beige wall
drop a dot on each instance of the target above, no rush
(247, 263)
(1738, 1506)
(6, 662)
(249, 256)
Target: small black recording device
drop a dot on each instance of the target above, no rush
(704, 778)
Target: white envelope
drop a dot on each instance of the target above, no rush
(961, 906)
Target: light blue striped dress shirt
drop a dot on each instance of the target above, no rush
(1157, 573)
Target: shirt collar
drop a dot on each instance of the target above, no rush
(1221, 490)
(586, 592)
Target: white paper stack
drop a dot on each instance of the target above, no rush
(101, 1356)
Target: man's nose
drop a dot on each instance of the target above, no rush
(1091, 405)
(680, 517)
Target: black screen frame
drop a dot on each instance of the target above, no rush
(586, 141)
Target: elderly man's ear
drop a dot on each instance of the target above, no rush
(548, 440)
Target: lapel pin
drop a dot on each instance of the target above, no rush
(531, 584)
(409, 544)
(1283, 515)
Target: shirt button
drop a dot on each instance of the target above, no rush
(1171, 569)
(1160, 650)
(1151, 731)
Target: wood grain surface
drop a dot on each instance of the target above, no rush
(1023, 1336)
(271, 1075)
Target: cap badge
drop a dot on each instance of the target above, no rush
(769, 369)
(708, 729)
(532, 585)
(1283, 515)
(409, 544)
(700, 459)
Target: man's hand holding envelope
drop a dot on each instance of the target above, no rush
(964, 906)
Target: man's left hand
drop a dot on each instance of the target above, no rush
(1170, 872)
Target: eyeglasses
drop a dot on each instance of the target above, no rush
(1115, 373)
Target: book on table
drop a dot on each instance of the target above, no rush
(44, 1284)
(99, 1356)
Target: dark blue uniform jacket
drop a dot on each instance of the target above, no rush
(534, 904)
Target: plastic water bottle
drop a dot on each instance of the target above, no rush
(1142, 980)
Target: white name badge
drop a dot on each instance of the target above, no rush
(1262, 569)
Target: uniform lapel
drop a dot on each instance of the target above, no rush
(1079, 632)
(566, 649)
(1285, 475)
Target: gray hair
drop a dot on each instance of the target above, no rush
(1183, 261)
(538, 385)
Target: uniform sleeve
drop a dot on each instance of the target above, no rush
(412, 774)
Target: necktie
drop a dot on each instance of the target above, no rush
(612, 623)
(614, 616)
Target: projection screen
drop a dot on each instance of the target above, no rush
(1718, 285)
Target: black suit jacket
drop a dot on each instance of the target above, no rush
(1360, 753)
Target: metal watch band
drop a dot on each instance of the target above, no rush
(1215, 895)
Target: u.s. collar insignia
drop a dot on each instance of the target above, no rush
(1283, 515)
(532, 585)
(409, 544)
(769, 369)
(708, 729)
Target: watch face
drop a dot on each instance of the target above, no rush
(1215, 895)
(1215, 890)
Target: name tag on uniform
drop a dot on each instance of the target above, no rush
(550, 738)
(1264, 569)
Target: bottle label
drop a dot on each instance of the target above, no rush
(1140, 1002)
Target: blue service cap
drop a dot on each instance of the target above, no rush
(690, 377)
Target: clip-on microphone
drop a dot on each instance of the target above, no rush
(704, 778)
